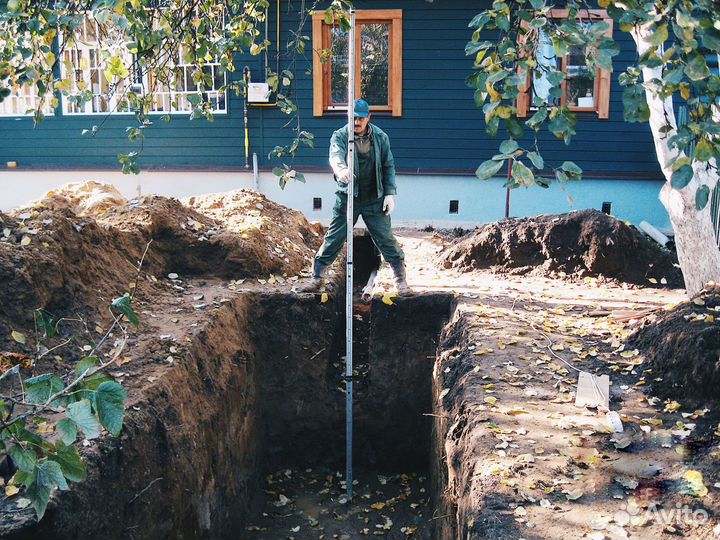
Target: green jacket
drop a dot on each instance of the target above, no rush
(384, 161)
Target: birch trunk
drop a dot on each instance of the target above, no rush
(697, 248)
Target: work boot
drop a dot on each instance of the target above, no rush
(316, 281)
(401, 286)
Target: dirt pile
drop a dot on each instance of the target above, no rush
(577, 244)
(262, 237)
(61, 262)
(682, 347)
(83, 198)
(53, 258)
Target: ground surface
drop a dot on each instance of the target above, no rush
(311, 504)
(519, 459)
(522, 460)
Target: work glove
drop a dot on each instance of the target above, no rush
(389, 204)
(344, 176)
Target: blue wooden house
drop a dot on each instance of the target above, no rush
(412, 67)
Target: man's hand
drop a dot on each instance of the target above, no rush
(344, 176)
(389, 204)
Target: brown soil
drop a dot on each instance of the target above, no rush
(249, 381)
(577, 244)
(682, 347)
(76, 263)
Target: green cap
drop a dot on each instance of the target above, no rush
(362, 109)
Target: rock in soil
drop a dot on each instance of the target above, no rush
(579, 244)
(682, 347)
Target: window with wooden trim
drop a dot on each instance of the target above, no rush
(581, 90)
(378, 77)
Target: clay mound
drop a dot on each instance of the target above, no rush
(82, 198)
(576, 244)
(682, 347)
(276, 238)
(52, 258)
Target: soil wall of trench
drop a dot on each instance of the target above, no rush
(257, 388)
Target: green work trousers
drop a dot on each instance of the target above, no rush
(378, 225)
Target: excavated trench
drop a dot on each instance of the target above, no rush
(247, 429)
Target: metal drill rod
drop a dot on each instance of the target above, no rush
(349, 273)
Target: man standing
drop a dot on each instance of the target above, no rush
(374, 192)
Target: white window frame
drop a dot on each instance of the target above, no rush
(169, 95)
(87, 46)
(83, 50)
(27, 94)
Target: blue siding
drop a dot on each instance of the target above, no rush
(440, 128)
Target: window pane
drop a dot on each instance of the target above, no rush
(580, 82)
(339, 66)
(375, 63)
(546, 60)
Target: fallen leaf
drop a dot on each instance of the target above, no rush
(387, 298)
(696, 484)
(324, 298)
(626, 482)
(11, 490)
(282, 501)
(18, 336)
(573, 495)
(671, 406)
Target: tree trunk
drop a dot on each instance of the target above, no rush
(697, 247)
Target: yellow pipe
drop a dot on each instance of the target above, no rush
(246, 75)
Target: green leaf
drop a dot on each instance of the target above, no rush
(110, 403)
(571, 169)
(40, 388)
(697, 69)
(473, 47)
(704, 150)
(711, 39)
(70, 462)
(85, 364)
(123, 304)
(522, 174)
(480, 20)
(46, 476)
(509, 146)
(488, 168)
(537, 160)
(660, 35)
(681, 177)
(537, 118)
(497, 76)
(514, 127)
(24, 459)
(80, 413)
(702, 196)
(45, 321)
(68, 430)
(680, 162)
